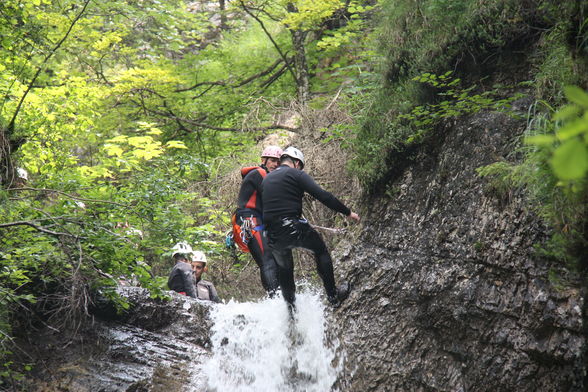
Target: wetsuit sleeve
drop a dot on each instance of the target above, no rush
(327, 198)
(188, 278)
(250, 186)
(213, 295)
(170, 280)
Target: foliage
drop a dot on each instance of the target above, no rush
(121, 112)
(475, 40)
(569, 143)
(458, 102)
(556, 190)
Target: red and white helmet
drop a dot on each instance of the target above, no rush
(271, 152)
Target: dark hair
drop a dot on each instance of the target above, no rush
(285, 158)
(179, 256)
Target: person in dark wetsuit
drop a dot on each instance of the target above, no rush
(249, 207)
(282, 192)
(181, 279)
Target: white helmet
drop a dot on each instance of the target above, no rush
(295, 153)
(182, 248)
(22, 173)
(198, 256)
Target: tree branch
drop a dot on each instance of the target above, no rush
(239, 84)
(36, 227)
(282, 55)
(43, 63)
(214, 128)
(68, 195)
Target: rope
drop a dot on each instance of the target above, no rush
(329, 229)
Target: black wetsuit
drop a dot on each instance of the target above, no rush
(181, 279)
(283, 190)
(249, 203)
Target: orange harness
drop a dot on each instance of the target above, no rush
(242, 233)
(249, 227)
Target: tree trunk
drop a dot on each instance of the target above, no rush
(302, 83)
(223, 14)
(6, 164)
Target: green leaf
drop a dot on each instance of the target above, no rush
(570, 160)
(577, 95)
(572, 129)
(566, 112)
(540, 140)
(176, 144)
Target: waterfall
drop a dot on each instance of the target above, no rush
(257, 346)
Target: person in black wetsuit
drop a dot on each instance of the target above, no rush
(181, 278)
(282, 192)
(249, 213)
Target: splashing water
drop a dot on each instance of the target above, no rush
(258, 347)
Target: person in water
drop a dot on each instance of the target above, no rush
(282, 192)
(247, 220)
(181, 278)
(204, 289)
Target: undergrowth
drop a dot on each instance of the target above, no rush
(478, 42)
(445, 59)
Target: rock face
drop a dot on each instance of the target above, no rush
(155, 346)
(448, 294)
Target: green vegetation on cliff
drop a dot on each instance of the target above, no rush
(446, 59)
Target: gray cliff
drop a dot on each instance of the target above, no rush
(449, 294)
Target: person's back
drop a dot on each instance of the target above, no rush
(283, 190)
(179, 277)
(281, 193)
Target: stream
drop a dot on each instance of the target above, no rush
(256, 346)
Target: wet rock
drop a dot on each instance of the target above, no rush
(156, 345)
(450, 295)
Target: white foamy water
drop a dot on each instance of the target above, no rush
(257, 347)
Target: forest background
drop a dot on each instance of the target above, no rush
(132, 119)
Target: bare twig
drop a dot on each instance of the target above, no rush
(68, 195)
(267, 33)
(37, 227)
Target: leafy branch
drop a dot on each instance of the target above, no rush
(460, 101)
(40, 68)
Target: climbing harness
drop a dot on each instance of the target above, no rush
(244, 230)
